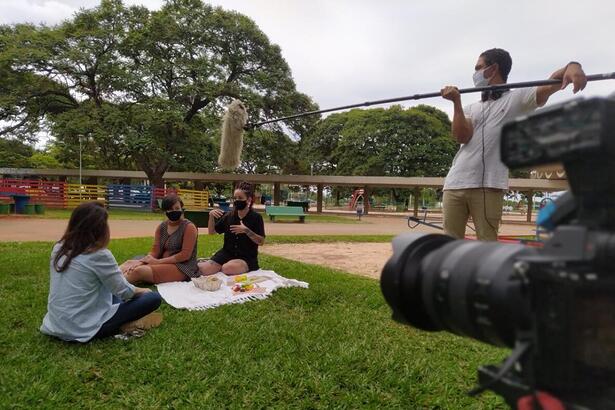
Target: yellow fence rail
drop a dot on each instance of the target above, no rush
(76, 194)
(194, 199)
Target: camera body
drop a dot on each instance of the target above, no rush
(554, 306)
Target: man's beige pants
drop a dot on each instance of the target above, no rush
(484, 205)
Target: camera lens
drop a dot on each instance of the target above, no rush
(401, 278)
(434, 282)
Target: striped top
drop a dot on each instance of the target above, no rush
(182, 243)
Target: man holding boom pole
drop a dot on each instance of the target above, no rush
(477, 180)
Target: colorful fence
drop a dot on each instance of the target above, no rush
(191, 198)
(57, 194)
(160, 193)
(194, 199)
(76, 194)
(129, 196)
(50, 193)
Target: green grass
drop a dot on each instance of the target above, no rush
(330, 346)
(113, 214)
(122, 214)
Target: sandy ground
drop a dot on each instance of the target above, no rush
(365, 259)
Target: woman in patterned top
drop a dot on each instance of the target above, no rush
(173, 254)
(244, 232)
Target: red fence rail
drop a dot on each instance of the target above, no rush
(50, 193)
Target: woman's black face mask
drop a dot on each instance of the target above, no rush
(240, 204)
(174, 215)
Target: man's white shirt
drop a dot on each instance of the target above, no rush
(487, 120)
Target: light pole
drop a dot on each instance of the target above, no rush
(80, 149)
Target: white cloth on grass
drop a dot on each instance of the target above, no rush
(184, 295)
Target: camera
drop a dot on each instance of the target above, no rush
(554, 306)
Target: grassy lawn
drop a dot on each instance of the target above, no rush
(147, 215)
(113, 214)
(330, 346)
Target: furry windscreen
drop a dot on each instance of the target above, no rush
(234, 121)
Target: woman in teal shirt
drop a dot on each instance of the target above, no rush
(86, 284)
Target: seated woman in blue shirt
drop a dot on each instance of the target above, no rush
(86, 284)
(244, 232)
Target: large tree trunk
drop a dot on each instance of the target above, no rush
(155, 178)
(396, 196)
(154, 172)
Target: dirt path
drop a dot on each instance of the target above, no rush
(365, 259)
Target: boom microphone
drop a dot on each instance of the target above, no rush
(235, 119)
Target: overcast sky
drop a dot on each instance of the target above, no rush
(349, 51)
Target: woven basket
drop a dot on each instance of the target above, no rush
(210, 283)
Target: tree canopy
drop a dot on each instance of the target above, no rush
(386, 142)
(144, 89)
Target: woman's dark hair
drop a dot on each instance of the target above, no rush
(501, 58)
(170, 200)
(87, 231)
(248, 189)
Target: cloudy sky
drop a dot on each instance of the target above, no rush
(349, 51)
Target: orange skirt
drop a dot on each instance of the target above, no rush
(167, 272)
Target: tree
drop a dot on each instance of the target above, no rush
(44, 160)
(319, 146)
(382, 142)
(145, 88)
(15, 154)
(271, 152)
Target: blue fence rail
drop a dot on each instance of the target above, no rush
(130, 196)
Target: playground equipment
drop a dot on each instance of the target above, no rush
(358, 193)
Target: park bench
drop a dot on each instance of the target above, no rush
(274, 211)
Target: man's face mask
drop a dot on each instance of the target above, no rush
(240, 204)
(174, 215)
(479, 78)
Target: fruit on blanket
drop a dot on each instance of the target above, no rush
(240, 278)
(242, 287)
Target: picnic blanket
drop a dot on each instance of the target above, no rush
(255, 285)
